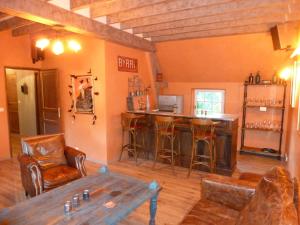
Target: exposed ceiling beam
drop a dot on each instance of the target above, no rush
(79, 4)
(215, 33)
(212, 10)
(48, 14)
(162, 8)
(269, 20)
(12, 23)
(29, 29)
(104, 8)
(254, 13)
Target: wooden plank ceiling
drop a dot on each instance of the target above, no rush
(139, 23)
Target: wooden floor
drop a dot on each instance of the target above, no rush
(178, 196)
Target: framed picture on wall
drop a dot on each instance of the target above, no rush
(83, 96)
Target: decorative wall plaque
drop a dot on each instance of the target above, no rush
(127, 64)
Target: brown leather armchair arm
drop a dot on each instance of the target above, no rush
(75, 159)
(31, 175)
(231, 192)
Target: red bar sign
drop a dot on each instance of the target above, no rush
(126, 64)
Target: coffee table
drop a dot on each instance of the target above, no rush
(127, 193)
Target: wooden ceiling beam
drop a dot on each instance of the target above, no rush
(213, 10)
(13, 22)
(79, 4)
(249, 14)
(29, 29)
(104, 8)
(45, 13)
(268, 20)
(215, 33)
(162, 8)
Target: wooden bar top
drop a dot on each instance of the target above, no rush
(213, 116)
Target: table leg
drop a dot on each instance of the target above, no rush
(153, 207)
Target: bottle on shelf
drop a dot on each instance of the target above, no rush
(257, 78)
(251, 78)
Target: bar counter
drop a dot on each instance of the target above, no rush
(226, 138)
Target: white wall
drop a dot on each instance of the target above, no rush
(27, 103)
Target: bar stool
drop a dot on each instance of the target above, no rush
(165, 130)
(203, 131)
(131, 124)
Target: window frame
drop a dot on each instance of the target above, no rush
(194, 90)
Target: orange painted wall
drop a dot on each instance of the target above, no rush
(219, 59)
(13, 52)
(117, 91)
(81, 133)
(219, 63)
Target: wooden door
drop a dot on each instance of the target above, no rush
(12, 102)
(49, 104)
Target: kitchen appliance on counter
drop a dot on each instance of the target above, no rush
(170, 103)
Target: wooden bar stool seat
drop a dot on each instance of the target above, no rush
(132, 124)
(166, 132)
(203, 130)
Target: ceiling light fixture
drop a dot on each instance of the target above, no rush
(58, 47)
(42, 43)
(74, 45)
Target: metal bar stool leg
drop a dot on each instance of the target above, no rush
(122, 146)
(192, 158)
(156, 151)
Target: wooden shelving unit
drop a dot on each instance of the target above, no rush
(255, 150)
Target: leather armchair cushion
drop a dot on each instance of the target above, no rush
(207, 212)
(273, 202)
(49, 152)
(59, 175)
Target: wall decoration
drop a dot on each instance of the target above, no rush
(82, 93)
(126, 64)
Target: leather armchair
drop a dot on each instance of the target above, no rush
(47, 163)
(250, 200)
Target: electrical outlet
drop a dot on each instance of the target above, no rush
(286, 158)
(1, 109)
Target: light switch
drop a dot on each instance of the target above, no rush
(1, 109)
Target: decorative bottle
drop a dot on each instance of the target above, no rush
(251, 78)
(257, 78)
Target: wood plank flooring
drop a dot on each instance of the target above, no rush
(178, 196)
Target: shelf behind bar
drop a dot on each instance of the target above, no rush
(263, 129)
(261, 84)
(258, 106)
(258, 151)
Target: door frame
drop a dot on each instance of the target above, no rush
(36, 73)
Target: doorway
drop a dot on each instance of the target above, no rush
(32, 104)
(22, 105)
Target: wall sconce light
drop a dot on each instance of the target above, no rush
(74, 45)
(58, 47)
(42, 43)
(285, 74)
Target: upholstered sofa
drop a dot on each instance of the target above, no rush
(47, 163)
(251, 200)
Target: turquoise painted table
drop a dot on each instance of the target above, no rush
(125, 192)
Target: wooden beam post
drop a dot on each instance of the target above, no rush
(45, 13)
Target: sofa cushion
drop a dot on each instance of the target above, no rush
(273, 202)
(49, 152)
(251, 177)
(59, 175)
(207, 212)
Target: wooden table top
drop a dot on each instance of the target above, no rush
(48, 208)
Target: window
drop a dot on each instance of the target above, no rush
(210, 100)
